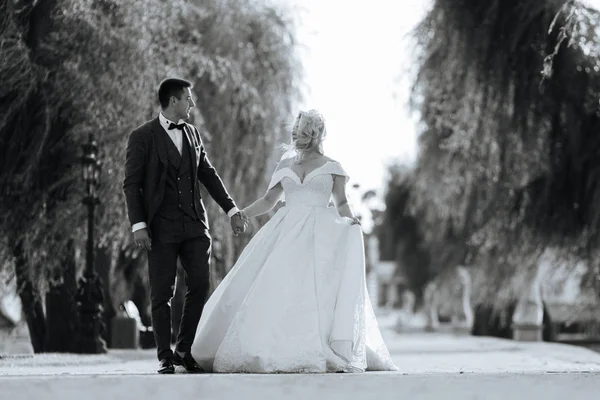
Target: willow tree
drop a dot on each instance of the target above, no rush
(400, 234)
(508, 93)
(73, 67)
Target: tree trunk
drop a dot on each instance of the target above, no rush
(30, 299)
(61, 307)
(104, 256)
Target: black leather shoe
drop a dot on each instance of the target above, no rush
(188, 362)
(165, 366)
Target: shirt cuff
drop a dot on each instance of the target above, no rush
(232, 212)
(138, 226)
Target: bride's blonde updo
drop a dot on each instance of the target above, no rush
(310, 131)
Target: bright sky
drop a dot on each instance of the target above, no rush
(354, 56)
(592, 3)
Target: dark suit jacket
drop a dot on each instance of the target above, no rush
(146, 173)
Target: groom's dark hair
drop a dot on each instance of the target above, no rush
(171, 87)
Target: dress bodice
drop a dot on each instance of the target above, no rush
(316, 188)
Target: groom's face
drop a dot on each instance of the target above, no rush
(184, 105)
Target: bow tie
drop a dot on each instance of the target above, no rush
(176, 126)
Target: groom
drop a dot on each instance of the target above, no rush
(165, 164)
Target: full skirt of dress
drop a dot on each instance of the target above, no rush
(296, 301)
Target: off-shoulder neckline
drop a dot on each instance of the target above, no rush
(303, 181)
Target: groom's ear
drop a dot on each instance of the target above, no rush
(173, 100)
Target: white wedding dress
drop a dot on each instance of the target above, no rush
(296, 299)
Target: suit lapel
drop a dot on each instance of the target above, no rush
(160, 140)
(194, 145)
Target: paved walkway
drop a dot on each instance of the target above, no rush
(432, 366)
(414, 353)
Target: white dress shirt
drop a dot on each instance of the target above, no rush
(176, 136)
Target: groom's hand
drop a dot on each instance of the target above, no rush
(238, 225)
(141, 237)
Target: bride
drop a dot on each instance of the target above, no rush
(296, 299)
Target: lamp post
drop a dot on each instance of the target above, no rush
(89, 294)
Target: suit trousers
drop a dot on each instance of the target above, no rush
(188, 240)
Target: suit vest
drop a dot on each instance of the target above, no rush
(179, 194)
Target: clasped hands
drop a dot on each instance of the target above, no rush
(239, 222)
(355, 221)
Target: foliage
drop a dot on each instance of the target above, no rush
(74, 67)
(403, 238)
(509, 151)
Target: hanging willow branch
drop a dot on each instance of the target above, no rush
(510, 155)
